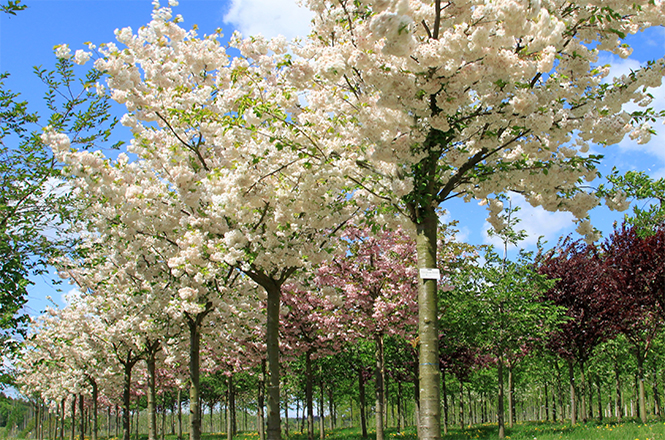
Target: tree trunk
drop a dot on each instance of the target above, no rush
(430, 406)
(95, 396)
(152, 380)
(179, 413)
(272, 344)
(309, 394)
(81, 417)
(322, 425)
(62, 422)
(400, 414)
(461, 404)
(657, 410)
(194, 378)
(444, 392)
(286, 414)
(640, 382)
(511, 396)
(499, 406)
(363, 412)
(378, 378)
(618, 409)
(573, 397)
(261, 401)
(547, 405)
(416, 400)
(600, 402)
(583, 394)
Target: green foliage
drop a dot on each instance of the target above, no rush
(35, 206)
(12, 7)
(639, 186)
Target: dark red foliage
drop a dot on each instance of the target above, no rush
(636, 264)
(584, 288)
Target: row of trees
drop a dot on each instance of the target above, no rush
(233, 191)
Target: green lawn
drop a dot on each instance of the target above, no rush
(629, 430)
(524, 431)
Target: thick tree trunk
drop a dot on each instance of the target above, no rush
(309, 394)
(499, 406)
(378, 378)
(573, 397)
(363, 411)
(430, 405)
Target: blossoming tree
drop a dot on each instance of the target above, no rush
(443, 99)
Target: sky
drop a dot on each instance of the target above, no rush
(28, 39)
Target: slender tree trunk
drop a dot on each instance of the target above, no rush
(286, 414)
(416, 400)
(179, 413)
(194, 324)
(363, 412)
(499, 406)
(573, 397)
(95, 397)
(309, 394)
(430, 406)
(152, 380)
(194, 377)
(272, 287)
(62, 421)
(444, 392)
(511, 396)
(378, 378)
(81, 417)
(461, 404)
(640, 382)
(400, 413)
(229, 423)
(618, 409)
(547, 405)
(582, 393)
(261, 402)
(322, 425)
(657, 410)
(600, 402)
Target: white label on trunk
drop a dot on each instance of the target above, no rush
(430, 274)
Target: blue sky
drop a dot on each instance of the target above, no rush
(27, 40)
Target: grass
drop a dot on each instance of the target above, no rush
(628, 430)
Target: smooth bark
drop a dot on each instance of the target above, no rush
(430, 407)
(363, 411)
(309, 394)
(573, 396)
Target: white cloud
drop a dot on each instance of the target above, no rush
(536, 222)
(269, 18)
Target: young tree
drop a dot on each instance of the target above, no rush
(443, 99)
(377, 278)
